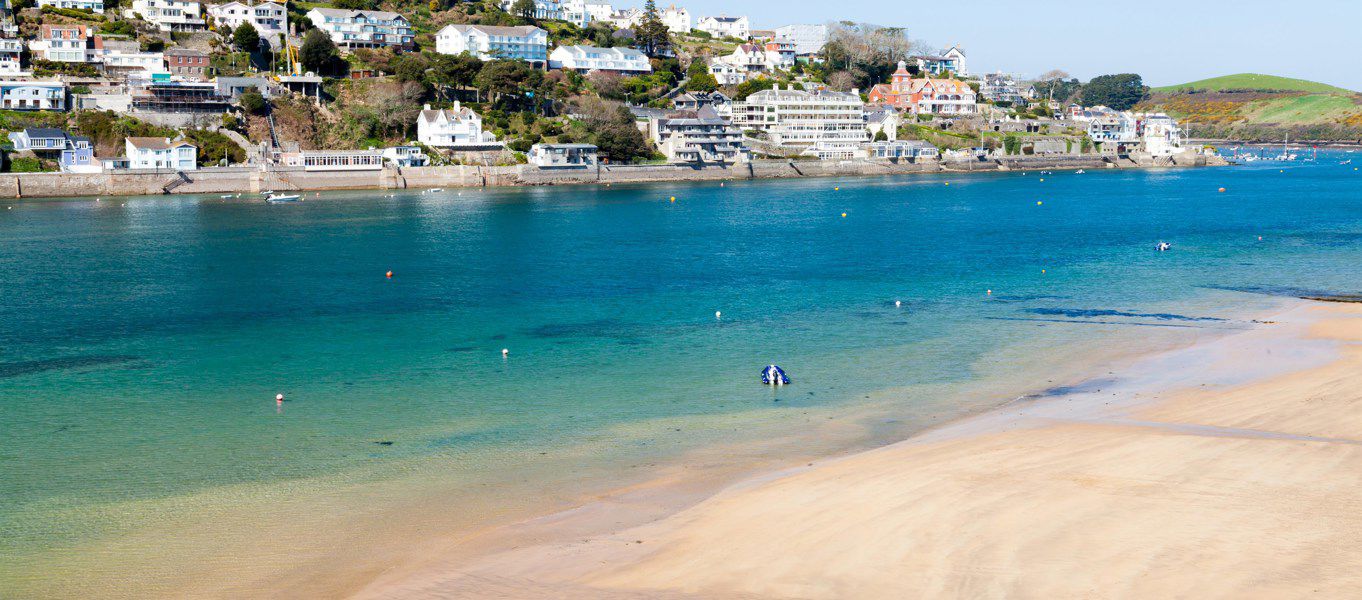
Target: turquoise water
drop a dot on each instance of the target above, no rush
(142, 340)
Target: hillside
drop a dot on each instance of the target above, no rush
(1262, 107)
(1255, 82)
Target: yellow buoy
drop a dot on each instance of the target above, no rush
(1042, 179)
(836, 189)
(673, 198)
(844, 215)
(1038, 203)
(1042, 271)
(948, 183)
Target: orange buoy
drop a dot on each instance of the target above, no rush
(1222, 190)
(390, 274)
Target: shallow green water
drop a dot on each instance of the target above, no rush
(142, 340)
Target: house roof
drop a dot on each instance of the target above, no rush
(178, 51)
(430, 115)
(153, 143)
(43, 133)
(519, 31)
(723, 19)
(382, 15)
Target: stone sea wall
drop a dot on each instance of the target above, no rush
(253, 180)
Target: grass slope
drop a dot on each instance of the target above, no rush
(1256, 82)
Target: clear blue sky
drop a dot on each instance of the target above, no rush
(1166, 41)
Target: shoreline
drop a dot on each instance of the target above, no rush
(657, 556)
(251, 180)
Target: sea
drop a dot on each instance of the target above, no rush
(451, 360)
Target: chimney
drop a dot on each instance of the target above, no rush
(425, 107)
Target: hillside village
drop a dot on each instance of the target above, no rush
(95, 86)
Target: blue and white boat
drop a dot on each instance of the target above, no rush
(773, 375)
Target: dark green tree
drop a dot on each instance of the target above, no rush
(1119, 92)
(246, 38)
(703, 82)
(523, 9)
(651, 34)
(318, 52)
(252, 102)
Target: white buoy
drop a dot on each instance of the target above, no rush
(505, 351)
(718, 315)
(898, 303)
(278, 397)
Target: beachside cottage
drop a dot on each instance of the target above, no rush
(161, 153)
(1162, 136)
(562, 155)
(527, 43)
(458, 127)
(701, 137)
(74, 153)
(591, 58)
(822, 123)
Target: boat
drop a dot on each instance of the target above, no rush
(1347, 162)
(1163, 246)
(227, 197)
(773, 375)
(1079, 172)
(282, 198)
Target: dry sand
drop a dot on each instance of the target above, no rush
(1230, 469)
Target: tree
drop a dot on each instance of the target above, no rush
(410, 67)
(1051, 77)
(703, 82)
(651, 34)
(456, 71)
(510, 81)
(318, 51)
(1119, 92)
(523, 9)
(252, 102)
(246, 38)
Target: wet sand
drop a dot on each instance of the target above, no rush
(1232, 468)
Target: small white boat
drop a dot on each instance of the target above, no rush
(436, 190)
(226, 197)
(1079, 172)
(282, 198)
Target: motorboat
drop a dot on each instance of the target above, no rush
(773, 375)
(282, 198)
(1163, 246)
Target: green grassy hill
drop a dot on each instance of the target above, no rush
(1255, 82)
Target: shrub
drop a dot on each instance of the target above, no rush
(252, 102)
(82, 14)
(25, 164)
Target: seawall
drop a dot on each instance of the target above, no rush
(231, 180)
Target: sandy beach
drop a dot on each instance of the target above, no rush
(1232, 468)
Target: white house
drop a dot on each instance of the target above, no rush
(530, 44)
(583, 12)
(676, 19)
(10, 51)
(334, 160)
(727, 73)
(822, 123)
(591, 58)
(352, 29)
(808, 39)
(549, 9)
(725, 26)
(951, 59)
(562, 155)
(452, 128)
(63, 43)
(1119, 129)
(161, 153)
(405, 156)
(32, 95)
(90, 5)
(1162, 136)
(170, 15)
(269, 19)
(703, 138)
(149, 62)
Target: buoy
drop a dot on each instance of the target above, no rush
(1038, 203)
(1042, 271)
(390, 274)
(1260, 238)
(836, 189)
(278, 398)
(898, 303)
(505, 351)
(989, 292)
(718, 315)
(948, 183)
(721, 184)
(1042, 180)
(673, 198)
(844, 215)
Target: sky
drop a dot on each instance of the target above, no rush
(1166, 42)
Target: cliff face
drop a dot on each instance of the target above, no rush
(1264, 115)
